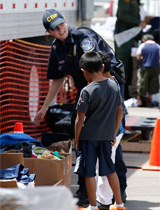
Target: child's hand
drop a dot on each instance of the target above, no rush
(113, 142)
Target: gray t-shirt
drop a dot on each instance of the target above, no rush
(99, 101)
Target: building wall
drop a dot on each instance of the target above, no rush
(23, 19)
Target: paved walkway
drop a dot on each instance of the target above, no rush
(143, 191)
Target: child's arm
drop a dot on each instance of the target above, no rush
(119, 117)
(78, 126)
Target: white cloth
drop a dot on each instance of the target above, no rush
(126, 35)
(104, 192)
(41, 198)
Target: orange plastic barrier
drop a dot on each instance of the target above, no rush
(23, 86)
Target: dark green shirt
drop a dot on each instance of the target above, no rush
(128, 13)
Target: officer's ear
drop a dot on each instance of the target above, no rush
(82, 70)
(47, 30)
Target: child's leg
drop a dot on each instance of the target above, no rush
(91, 190)
(114, 183)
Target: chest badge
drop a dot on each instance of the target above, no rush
(87, 45)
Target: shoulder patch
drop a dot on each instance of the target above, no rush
(80, 101)
(87, 45)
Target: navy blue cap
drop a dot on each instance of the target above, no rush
(52, 18)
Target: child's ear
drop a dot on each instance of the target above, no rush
(82, 69)
(102, 68)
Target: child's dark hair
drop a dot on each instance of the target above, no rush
(91, 62)
(106, 60)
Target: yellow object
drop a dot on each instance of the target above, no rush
(47, 155)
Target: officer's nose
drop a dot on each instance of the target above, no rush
(59, 27)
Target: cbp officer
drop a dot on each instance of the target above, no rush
(128, 16)
(68, 46)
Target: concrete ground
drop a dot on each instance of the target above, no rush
(143, 190)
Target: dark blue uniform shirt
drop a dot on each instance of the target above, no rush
(64, 58)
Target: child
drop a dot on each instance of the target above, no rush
(104, 192)
(99, 114)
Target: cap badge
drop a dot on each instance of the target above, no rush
(51, 17)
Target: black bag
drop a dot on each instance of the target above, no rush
(58, 117)
(50, 138)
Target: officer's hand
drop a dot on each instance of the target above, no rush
(39, 117)
(142, 24)
(113, 142)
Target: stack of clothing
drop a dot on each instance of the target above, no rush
(18, 141)
(17, 172)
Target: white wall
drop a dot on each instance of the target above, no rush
(23, 18)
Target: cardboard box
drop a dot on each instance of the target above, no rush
(49, 172)
(8, 183)
(67, 170)
(8, 160)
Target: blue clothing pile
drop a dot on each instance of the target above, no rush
(16, 141)
(17, 172)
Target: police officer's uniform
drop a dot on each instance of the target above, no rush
(128, 16)
(64, 58)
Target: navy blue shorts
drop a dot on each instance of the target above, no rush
(87, 154)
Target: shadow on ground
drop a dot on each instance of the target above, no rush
(139, 205)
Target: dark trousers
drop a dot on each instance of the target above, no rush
(81, 179)
(121, 168)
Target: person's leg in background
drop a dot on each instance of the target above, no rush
(121, 171)
(81, 193)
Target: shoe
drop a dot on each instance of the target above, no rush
(82, 198)
(112, 207)
(83, 203)
(80, 195)
(103, 206)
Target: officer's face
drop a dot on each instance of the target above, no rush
(60, 32)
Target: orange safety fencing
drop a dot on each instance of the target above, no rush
(24, 87)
